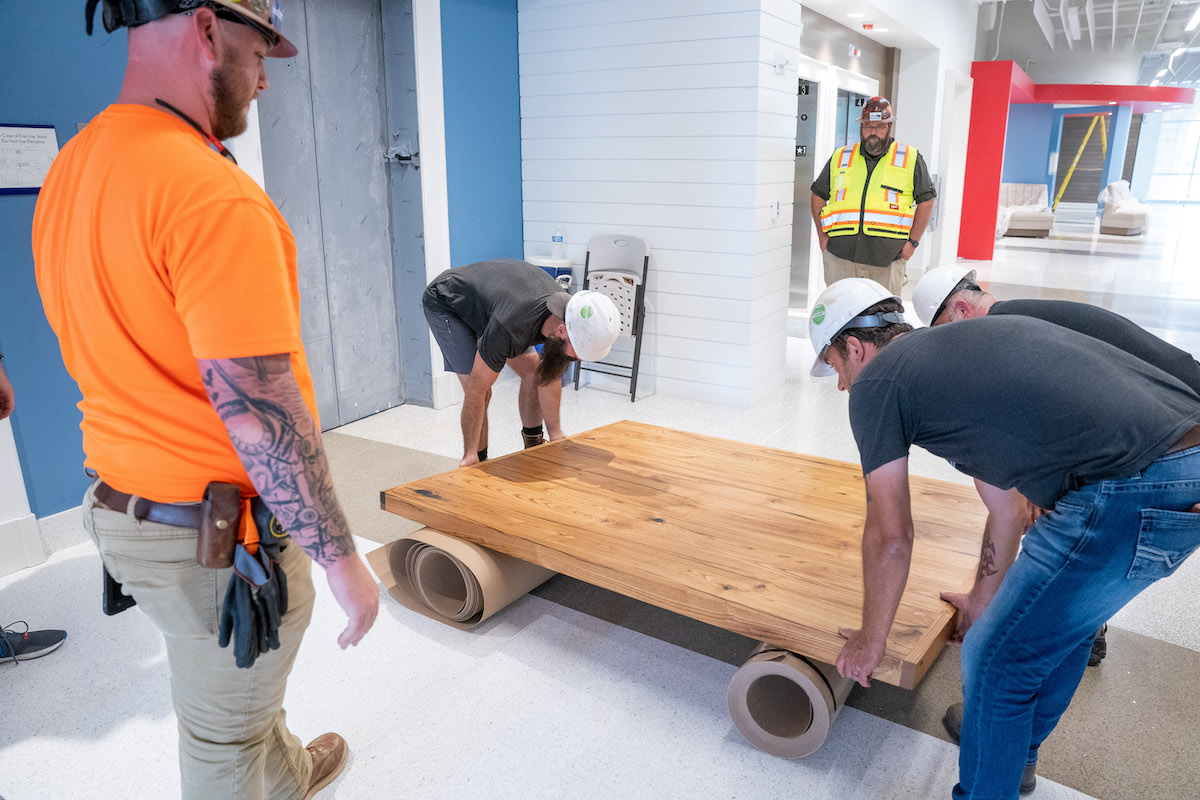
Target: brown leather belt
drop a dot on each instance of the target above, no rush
(181, 516)
(1188, 440)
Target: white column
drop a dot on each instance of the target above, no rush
(20, 541)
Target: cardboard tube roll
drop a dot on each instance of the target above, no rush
(784, 703)
(451, 580)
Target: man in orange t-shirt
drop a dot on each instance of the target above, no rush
(170, 279)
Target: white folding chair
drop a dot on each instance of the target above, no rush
(617, 265)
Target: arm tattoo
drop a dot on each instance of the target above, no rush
(277, 441)
(987, 557)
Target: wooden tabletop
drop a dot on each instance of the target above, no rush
(758, 541)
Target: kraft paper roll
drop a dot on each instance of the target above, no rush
(451, 580)
(784, 703)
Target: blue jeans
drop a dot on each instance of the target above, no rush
(1079, 565)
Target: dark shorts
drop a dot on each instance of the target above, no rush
(454, 338)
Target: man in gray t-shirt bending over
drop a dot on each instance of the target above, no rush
(492, 313)
(1109, 442)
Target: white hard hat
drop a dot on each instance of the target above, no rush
(838, 308)
(934, 289)
(593, 324)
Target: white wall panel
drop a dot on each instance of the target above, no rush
(737, 148)
(617, 11)
(670, 121)
(635, 56)
(679, 123)
(702, 30)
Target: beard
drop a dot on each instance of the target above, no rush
(230, 106)
(874, 146)
(554, 361)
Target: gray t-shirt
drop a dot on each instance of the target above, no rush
(503, 301)
(875, 251)
(1017, 401)
(1108, 327)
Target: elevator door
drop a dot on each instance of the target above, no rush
(808, 164)
(340, 159)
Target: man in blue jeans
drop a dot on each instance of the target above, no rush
(1108, 442)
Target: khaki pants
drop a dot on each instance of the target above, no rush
(892, 276)
(233, 740)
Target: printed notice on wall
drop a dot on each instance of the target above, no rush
(26, 152)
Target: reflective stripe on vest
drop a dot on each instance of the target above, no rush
(884, 206)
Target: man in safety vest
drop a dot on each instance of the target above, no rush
(871, 203)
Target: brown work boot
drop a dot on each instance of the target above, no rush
(533, 441)
(329, 754)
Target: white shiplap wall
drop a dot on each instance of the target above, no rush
(667, 119)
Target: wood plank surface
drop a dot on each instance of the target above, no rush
(762, 542)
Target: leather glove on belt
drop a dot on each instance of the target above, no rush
(255, 603)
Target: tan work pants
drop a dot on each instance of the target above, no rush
(233, 740)
(893, 276)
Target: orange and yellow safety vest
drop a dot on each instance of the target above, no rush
(885, 208)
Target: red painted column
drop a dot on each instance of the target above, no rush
(990, 96)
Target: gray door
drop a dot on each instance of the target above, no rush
(325, 146)
(808, 164)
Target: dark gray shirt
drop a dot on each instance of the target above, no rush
(1108, 327)
(875, 251)
(1017, 401)
(503, 301)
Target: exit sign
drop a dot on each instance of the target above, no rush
(855, 52)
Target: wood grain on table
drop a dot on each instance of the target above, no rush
(762, 542)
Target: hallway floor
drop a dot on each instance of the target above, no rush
(576, 693)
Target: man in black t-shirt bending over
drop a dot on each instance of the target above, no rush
(490, 314)
(1109, 442)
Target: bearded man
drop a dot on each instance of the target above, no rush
(871, 203)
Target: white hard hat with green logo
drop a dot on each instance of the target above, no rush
(839, 307)
(593, 324)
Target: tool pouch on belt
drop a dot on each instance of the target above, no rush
(220, 517)
(257, 597)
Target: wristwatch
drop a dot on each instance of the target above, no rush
(914, 243)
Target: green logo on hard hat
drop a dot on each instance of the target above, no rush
(818, 314)
(586, 312)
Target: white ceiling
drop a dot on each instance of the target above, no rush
(1147, 30)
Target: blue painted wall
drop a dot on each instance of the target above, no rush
(483, 129)
(1027, 144)
(1118, 143)
(1143, 164)
(54, 75)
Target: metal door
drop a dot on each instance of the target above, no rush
(325, 157)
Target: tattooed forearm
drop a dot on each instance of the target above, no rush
(279, 444)
(987, 557)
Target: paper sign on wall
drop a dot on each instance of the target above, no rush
(26, 152)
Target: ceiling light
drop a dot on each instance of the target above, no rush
(1178, 52)
(1161, 72)
(1193, 22)
(1154, 82)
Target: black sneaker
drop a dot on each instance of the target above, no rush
(22, 646)
(952, 721)
(1099, 647)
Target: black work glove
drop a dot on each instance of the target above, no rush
(238, 621)
(255, 603)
